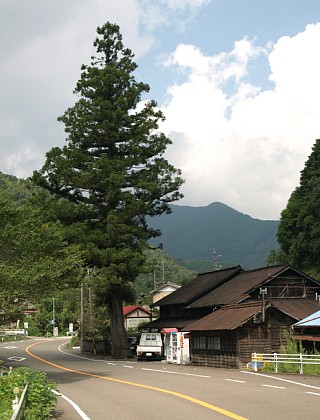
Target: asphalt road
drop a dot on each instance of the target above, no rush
(101, 388)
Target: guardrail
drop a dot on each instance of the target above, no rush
(257, 360)
(12, 333)
(18, 408)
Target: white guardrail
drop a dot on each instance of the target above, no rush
(258, 359)
(18, 405)
(12, 333)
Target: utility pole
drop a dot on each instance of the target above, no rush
(81, 315)
(90, 296)
(53, 317)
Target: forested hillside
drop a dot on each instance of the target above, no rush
(193, 233)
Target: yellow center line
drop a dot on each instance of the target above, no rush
(153, 388)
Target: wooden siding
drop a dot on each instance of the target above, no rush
(237, 346)
(225, 360)
(225, 357)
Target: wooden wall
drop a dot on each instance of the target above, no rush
(237, 346)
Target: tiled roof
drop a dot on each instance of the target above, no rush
(237, 288)
(226, 318)
(198, 287)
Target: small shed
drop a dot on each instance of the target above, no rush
(308, 331)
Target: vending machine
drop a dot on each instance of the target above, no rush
(176, 345)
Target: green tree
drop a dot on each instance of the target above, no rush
(299, 228)
(112, 172)
(277, 256)
(35, 258)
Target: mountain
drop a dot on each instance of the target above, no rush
(195, 233)
(191, 234)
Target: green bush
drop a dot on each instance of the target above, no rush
(294, 346)
(41, 401)
(74, 341)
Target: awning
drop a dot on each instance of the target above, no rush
(168, 330)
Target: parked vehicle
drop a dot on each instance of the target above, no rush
(150, 347)
(133, 343)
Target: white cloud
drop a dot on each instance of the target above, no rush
(42, 47)
(41, 56)
(234, 142)
(241, 145)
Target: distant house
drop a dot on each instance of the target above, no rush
(232, 313)
(134, 315)
(163, 291)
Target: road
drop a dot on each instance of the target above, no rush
(100, 388)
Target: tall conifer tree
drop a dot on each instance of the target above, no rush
(112, 172)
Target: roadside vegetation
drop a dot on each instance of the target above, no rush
(41, 401)
(294, 347)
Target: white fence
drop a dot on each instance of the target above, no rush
(12, 333)
(258, 359)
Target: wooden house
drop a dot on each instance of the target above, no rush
(163, 291)
(232, 313)
(134, 315)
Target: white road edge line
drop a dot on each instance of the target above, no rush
(76, 355)
(313, 393)
(281, 379)
(86, 358)
(81, 413)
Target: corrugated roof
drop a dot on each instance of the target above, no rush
(237, 288)
(201, 285)
(312, 320)
(226, 318)
(296, 308)
(233, 316)
(178, 323)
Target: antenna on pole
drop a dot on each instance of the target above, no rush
(215, 260)
(263, 292)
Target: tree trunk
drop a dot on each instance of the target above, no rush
(120, 347)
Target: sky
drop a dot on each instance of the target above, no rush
(237, 80)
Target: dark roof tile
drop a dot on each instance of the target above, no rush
(198, 287)
(237, 288)
(226, 318)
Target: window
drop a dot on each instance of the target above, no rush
(151, 337)
(199, 342)
(214, 343)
